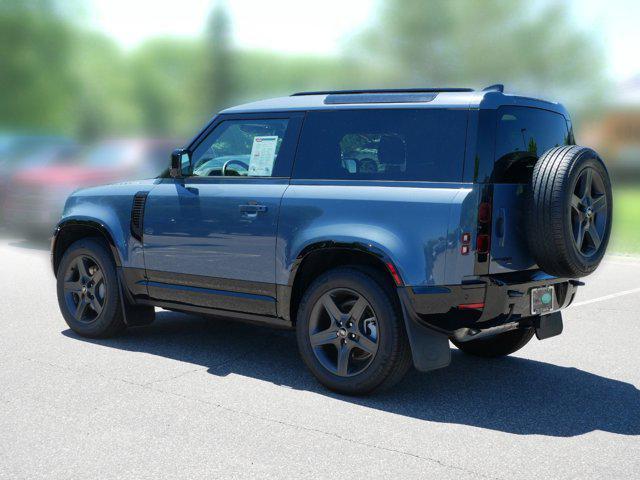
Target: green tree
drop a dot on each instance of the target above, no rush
(103, 99)
(165, 73)
(36, 84)
(219, 60)
(532, 46)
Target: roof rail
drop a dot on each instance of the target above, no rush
(382, 90)
(498, 87)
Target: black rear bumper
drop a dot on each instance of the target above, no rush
(505, 298)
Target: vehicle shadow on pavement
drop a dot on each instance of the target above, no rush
(513, 395)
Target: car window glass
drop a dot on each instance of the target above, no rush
(523, 134)
(240, 148)
(385, 144)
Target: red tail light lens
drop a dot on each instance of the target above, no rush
(483, 242)
(471, 306)
(484, 212)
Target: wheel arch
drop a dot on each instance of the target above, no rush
(320, 257)
(72, 230)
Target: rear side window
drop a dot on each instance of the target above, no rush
(523, 134)
(415, 145)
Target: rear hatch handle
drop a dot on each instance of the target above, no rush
(501, 226)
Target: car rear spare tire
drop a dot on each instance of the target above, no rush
(570, 211)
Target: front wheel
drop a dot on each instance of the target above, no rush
(499, 345)
(88, 292)
(350, 332)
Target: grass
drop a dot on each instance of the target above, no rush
(625, 236)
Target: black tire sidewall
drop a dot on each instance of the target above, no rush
(388, 332)
(499, 345)
(110, 319)
(586, 265)
(549, 220)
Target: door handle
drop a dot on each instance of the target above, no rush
(252, 208)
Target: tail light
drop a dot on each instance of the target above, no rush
(465, 248)
(483, 239)
(471, 306)
(484, 212)
(483, 244)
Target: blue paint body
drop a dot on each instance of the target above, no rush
(197, 227)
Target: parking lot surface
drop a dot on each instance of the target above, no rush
(189, 397)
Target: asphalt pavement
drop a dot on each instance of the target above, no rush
(189, 397)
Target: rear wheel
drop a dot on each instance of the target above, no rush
(88, 292)
(350, 332)
(499, 345)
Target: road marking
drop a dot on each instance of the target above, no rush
(606, 297)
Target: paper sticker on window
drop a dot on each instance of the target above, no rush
(263, 154)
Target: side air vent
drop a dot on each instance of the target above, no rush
(137, 214)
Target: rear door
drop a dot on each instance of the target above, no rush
(209, 238)
(523, 134)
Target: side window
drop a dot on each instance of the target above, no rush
(383, 144)
(523, 134)
(240, 148)
(365, 153)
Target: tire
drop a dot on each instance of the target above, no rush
(88, 263)
(377, 357)
(499, 345)
(570, 211)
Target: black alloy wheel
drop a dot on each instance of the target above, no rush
(569, 211)
(589, 212)
(85, 289)
(343, 332)
(89, 292)
(350, 331)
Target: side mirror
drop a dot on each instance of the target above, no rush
(179, 158)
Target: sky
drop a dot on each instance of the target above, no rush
(299, 26)
(284, 25)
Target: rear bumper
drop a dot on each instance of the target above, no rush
(506, 299)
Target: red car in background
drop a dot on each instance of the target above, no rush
(36, 194)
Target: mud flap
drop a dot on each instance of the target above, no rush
(430, 349)
(548, 326)
(134, 315)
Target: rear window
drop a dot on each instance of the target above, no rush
(414, 145)
(523, 134)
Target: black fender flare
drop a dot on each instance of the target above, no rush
(80, 224)
(430, 349)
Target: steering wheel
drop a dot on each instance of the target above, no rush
(229, 162)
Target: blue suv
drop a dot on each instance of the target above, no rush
(381, 225)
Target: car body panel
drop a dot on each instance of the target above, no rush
(196, 226)
(201, 253)
(407, 223)
(110, 206)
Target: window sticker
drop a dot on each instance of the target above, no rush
(263, 155)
